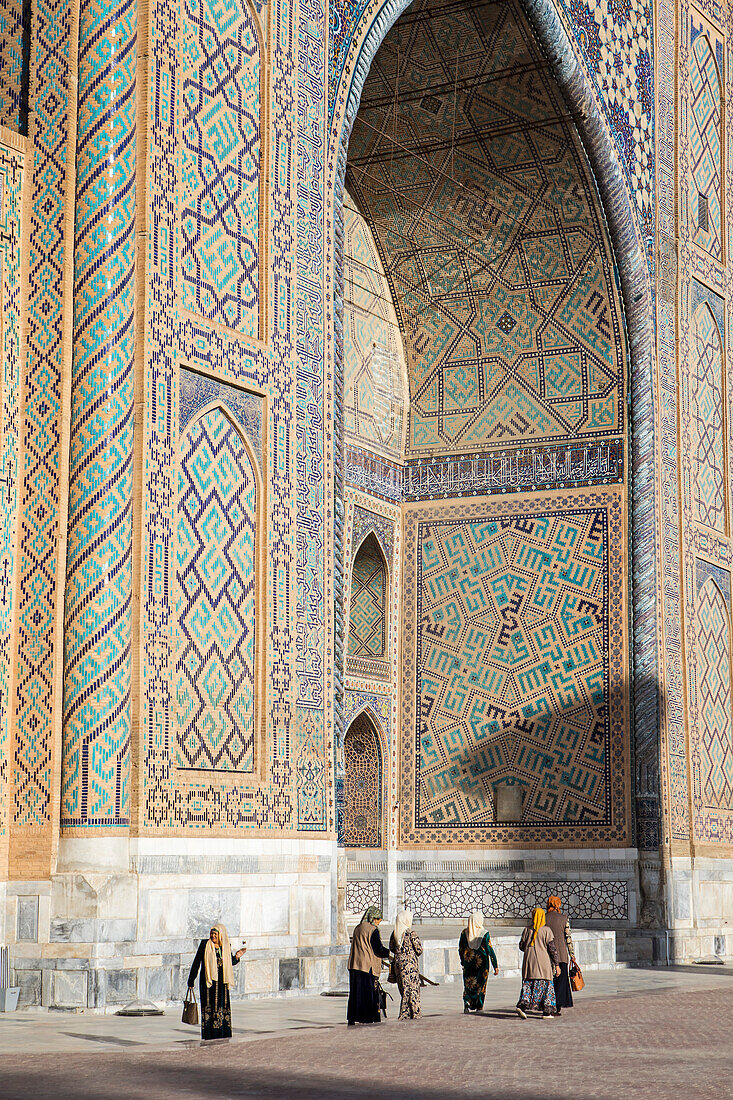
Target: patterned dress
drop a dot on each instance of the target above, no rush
(216, 1009)
(407, 972)
(475, 962)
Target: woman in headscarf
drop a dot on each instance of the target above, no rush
(365, 965)
(560, 925)
(476, 955)
(538, 968)
(215, 961)
(407, 949)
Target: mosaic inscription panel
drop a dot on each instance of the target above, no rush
(514, 638)
(11, 184)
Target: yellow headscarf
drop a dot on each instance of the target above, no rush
(211, 967)
(538, 920)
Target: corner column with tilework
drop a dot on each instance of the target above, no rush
(98, 612)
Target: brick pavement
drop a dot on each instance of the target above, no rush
(658, 1044)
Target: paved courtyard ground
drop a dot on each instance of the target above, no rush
(655, 1034)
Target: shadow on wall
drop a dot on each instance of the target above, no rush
(568, 764)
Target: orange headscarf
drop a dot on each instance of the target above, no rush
(554, 903)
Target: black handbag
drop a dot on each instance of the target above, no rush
(382, 995)
(190, 1010)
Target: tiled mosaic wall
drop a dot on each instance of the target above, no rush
(375, 374)
(225, 88)
(701, 763)
(514, 658)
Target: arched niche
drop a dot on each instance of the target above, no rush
(715, 730)
(217, 655)
(368, 635)
(363, 784)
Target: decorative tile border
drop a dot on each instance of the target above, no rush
(514, 899)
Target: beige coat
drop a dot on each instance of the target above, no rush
(537, 956)
(558, 923)
(362, 956)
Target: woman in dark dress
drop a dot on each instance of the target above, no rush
(560, 926)
(215, 961)
(365, 965)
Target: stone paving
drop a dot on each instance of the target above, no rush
(634, 1033)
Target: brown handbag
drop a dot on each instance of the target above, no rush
(190, 1010)
(576, 978)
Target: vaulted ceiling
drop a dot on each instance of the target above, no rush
(471, 175)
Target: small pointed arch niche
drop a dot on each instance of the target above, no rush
(715, 716)
(218, 652)
(709, 421)
(706, 143)
(363, 784)
(367, 651)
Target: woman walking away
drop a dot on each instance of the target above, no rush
(476, 955)
(539, 965)
(365, 965)
(215, 961)
(560, 925)
(407, 949)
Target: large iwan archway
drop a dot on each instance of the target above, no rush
(466, 164)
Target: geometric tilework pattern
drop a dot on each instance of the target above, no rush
(513, 659)
(361, 893)
(215, 575)
(513, 646)
(367, 615)
(220, 163)
(311, 774)
(38, 583)
(614, 41)
(11, 64)
(11, 184)
(708, 420)
(705, 142)
(375, 381)
(98, 613)
(362, 785)
(514, 899)
(714, 699)
(481, 201)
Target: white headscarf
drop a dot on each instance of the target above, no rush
(475, 931)
(211, 967)
(401, 925)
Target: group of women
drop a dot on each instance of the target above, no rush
(546, 944)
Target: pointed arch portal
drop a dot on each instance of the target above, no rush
(422, 150)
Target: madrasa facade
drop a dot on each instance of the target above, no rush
(366, 478)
